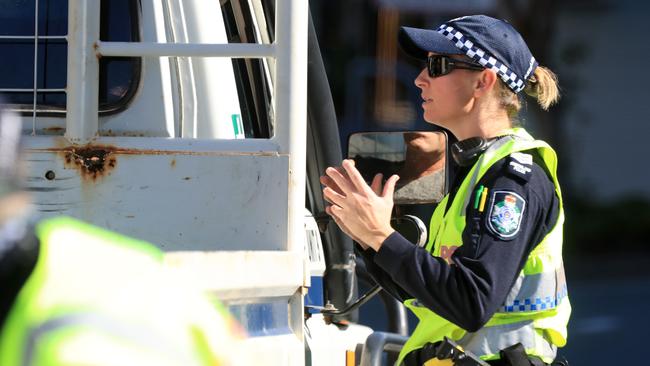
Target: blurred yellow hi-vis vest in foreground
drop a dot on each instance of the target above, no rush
(99, 298)
(536, 311)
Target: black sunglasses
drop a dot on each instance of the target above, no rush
(439, 65)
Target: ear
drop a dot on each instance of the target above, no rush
(485, 82)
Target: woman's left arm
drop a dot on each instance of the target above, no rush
(468, 283)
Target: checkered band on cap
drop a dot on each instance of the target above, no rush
(513, 81)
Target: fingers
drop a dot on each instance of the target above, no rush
(341, 181)
(355, 177)
(333, 197)
(376, 184)
(329, 182)
(389, 187)
(330, 210)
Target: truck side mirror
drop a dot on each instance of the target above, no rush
(417, 157)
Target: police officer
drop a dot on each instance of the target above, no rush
(491, 277)
(75, 294)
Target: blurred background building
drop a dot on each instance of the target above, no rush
(599, 50)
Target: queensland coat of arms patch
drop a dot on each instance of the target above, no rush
(505, 214)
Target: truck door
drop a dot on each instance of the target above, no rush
(137, 119)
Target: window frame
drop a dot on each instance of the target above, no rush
(253, 87)
(49, 110)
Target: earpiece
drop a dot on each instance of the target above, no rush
(466, 152)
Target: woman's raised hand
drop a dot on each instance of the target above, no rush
(361, 211)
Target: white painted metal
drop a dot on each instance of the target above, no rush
(241, 275)
(315, 254)
(242, 200)
(233, 50)
(181, 200)
(83, 71)
(276, 350)
(328, 343)
(165, 68)
(184, 95)
(290, 92)
(250, 277)
(291, 106)
(217, 101)
(252, 147)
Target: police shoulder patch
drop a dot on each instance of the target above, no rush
(505, 214)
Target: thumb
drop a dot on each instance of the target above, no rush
(389, 187)
(376, 184)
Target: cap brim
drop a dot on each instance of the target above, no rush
(418, 43)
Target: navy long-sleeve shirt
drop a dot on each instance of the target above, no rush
(468, 291)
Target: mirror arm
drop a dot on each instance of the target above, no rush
(331, 310)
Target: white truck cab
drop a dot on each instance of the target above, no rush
(186, 123)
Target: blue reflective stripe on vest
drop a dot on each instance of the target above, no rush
(533, 292)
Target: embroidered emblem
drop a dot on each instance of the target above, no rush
(506, 211)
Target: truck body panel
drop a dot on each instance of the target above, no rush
(206, 158)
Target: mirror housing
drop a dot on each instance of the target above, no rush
(412, 228)
(418, 157)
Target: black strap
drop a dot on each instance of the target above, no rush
(443, 350)
(419, 356)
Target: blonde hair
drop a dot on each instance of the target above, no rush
(542, 86)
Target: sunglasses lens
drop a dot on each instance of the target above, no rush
(437, 66)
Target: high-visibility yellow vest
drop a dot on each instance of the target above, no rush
(536, 311)
(97, 297)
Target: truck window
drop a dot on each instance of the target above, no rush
(118, 77)
(253, 87)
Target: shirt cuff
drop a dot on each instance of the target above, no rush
(393, 250)
(368, 254)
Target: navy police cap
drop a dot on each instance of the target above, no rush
(491, 42)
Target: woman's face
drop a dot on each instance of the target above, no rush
(446, 98)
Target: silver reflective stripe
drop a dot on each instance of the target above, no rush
(536, 292)
(487, 155)
(135, 335)
(490, 340)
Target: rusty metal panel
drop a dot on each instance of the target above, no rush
(178, 200)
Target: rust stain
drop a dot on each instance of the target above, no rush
(54, 129)
(93, 162)
(96, 48)
(115, 150)
(97, 161)
(111, 133)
